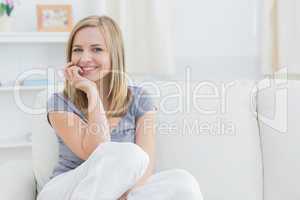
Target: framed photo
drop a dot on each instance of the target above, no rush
(54, 18)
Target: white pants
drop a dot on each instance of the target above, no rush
(111, 170)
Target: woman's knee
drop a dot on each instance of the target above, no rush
(127, 155)
(188, 186)
(132, 154)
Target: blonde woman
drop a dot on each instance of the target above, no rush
(106, 149)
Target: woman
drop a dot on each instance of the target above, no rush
(105, 127)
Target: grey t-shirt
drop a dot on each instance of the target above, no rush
(124, 132)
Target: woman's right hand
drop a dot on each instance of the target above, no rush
(72, 74)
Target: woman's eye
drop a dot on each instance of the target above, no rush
(97, 49)
(77, 50)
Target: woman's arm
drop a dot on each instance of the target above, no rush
(81, 137)
(98, 130)
(145, 138)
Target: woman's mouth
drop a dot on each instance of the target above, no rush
(87, 70)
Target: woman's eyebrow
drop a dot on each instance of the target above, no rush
(93, 45)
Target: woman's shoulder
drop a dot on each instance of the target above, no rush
(138, 91)
(59, 102)
(135, 90)
(142, 100)
(58, 98)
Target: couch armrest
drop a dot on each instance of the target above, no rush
(17, 180)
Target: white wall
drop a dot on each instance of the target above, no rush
(25, 11)
(218, 39)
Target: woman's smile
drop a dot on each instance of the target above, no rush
(87, 70)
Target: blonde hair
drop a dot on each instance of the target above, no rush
(119, 95)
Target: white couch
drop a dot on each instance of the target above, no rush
(239, 139)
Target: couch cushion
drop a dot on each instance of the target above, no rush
(279, 111)
(44, 144)
(212, 133)
(17, 180)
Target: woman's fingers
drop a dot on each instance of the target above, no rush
(67, 73)
(73, 76)
(69, 64)
(75, 72)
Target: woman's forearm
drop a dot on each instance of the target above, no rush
(97, 130)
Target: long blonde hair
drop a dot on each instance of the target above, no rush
(119, 95)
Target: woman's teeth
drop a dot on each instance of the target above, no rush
(88, 68)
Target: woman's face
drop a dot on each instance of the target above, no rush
(89, 52)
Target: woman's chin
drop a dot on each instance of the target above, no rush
(93, 78)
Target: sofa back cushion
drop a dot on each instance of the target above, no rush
(279, 111)
(210, 129)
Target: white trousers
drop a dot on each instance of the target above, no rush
(111, 170)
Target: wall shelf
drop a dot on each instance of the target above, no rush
(22, 88)
(15, 145)
(30, 88)
(35, 47)
(34, 37)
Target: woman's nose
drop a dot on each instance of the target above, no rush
(85, 58)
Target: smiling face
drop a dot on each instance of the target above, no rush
(90, 53)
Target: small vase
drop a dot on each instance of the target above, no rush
(5, 23)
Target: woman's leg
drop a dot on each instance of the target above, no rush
(175, 184)
(110, 171)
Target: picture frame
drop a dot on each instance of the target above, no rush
(54, 18)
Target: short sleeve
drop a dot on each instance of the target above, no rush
(57, 102)
(144, 103)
